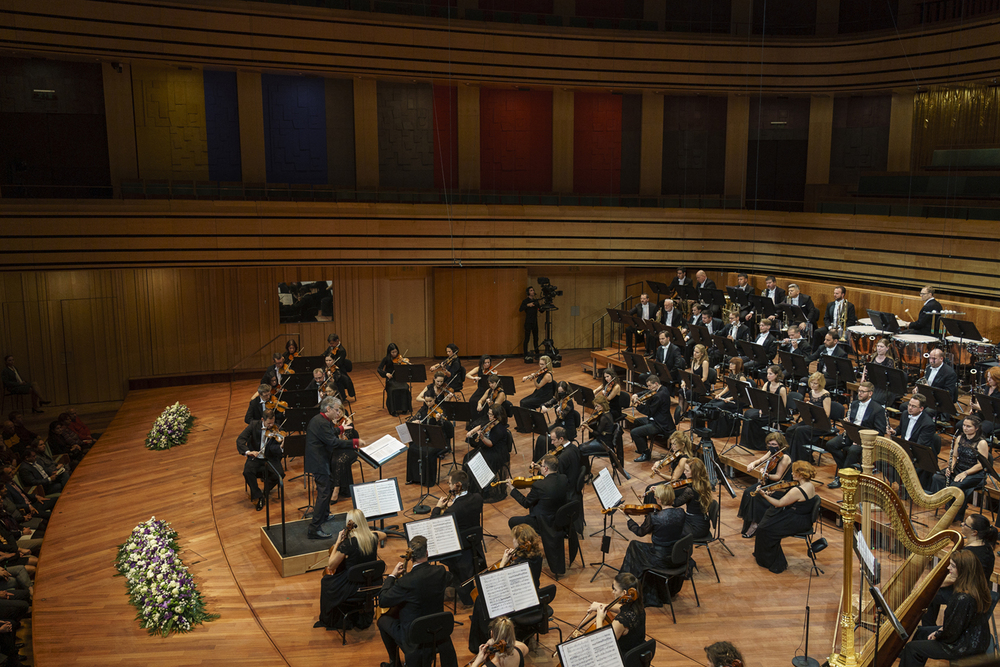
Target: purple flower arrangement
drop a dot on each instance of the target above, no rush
(170, 428)
(159, 584)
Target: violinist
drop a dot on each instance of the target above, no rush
(681, 450)
(438, 389)
(261, 447)
(291, 351)
(527, 548)
(452, 368)
(354, 546)
(275, 375)
(545, 385)
(630, 622)
(570, 461)
(481, 376)
(566, 418)
(494, 396)
(546, 496)
(467, 508)
(727, 403)
(318, 384)
(612, 391)
(328, 458)
(501, 635)
(656, 405)
(255, 411)
(344, 366)
(493, 440)
(696, 498)
(602, 429)
(788, 515)
(773, 466)
(724, 654)
(397, 394)
(417, 593)
(666, 526)
(429, 413)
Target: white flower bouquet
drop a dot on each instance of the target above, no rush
(170, 428)
(159, 584)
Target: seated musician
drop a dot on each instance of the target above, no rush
(255, 411)
(570, 461)
(681, 449)
(695, 497)
(752, 434)
(602, 429)
(344, 366)
(291, 350)
(644, 310)
(789, 515)
(669, 354)
(417, 593)
(766, 339)
(867, 414)
(940, 374)
(527, 548)
(727, 403)
(885, 355)
(397, 394)
(432, 415)
(964, 471)
(669, 315)
(494, 396)
(723, 654)
(630, 622)
(438, 388)
(655, 404)
(800, 435)
(452, 368)
(319, 384)
(916, 425)
(965, 631)
(467, 508)
(795, 343)
(545, 385)
(699, 367)
(262, 454)
(829, 348)
(546, 496)
(566, 417)
(924, 323)
(735, 329)
(353, 547)
(665, 526)
(276, 374)
(805, 302)
(492, 440)
(501, 632)
(981, 539)
(478, 402)
(773, 467)
(612, 391)
(991, 388)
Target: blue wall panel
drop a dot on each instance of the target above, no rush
(222, 120)
(294, 129)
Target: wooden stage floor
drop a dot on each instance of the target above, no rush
(82, 615)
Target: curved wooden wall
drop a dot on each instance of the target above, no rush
(269, 37)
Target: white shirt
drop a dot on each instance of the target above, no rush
(862, 408)
(646, 310)
(909, 427)
(770, 295)
(931, 374)
(263, 442)
(762, 337)
(836, 312)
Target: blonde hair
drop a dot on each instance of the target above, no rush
(700, 352)
(664, 494)
(685, 442)
(700, 483)
(502, 630)
(365, 537)
(819, 378)
(547, 361)
(527, 538)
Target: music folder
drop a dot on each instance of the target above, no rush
(381, 451)
(377, 500)
(480, 469)
(607, 492)
(441, 533)
(508, 590)
(592, 649)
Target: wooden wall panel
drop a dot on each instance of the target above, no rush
(586, 295)
(477, 309)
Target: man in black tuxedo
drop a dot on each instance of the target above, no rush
(765, 339)
(262, 455)
(322, 442)
(924, 324)
(680, 279)
(546, 495)
(645, 310)
(467, 508)
(772, 291)
(803, 301)
(795, 343)
(714, 327)
(317, 384)
(839, 308)
(657, 421)
(916, 425)
(255, 411)
(419, 593)
(669, 354)
(702, 281)
(743, 285)
(570, 461)
(344, 365)
(940, 375)
(829, 348)
(669, 315)
(736, 330)
(274, 372)
(866, 414)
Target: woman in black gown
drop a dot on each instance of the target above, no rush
(493, 440)
(964, 471)
(630, 623)
(397, 394)
(612, 390)
(432, 414)
(545, 385)
(800, 435)
(494, 396)
(752, 435)
(666, 527)
(695, 498)
(481, 376)
(981, 539)
(354, 548)
(991, 388)
(602, 429)
(501, 630)
(753, 507)
(790, 514)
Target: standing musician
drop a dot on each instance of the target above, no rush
(964, 471)
(681, 450)
(940, 375)
(527, 549)
(493, 396)
(655, 404)
(417, 593)
(344, 365)
(669, 315)
(397, 394)
(666, 526)
(546, 496)
(353, 547)
(260, 444)
(452, 367)
(258, 404)
(529, 306)
(493, 441)
(481, 376)
(773, 466)
(328, 458)
(866, 413)
(839, 315)
(467, 508)
(924, 323)
(429, 413)
(630, 622)
(566, 417)
(501, 634)
(545, 385)
(788, 515)
(644, 310)
(612, 391)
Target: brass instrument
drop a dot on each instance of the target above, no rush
(842, 319)
(731, 308)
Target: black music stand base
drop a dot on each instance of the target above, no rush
(602, 564)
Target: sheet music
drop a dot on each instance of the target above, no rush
(595, 649)
(377, 498)
(441, 533)
(481, 470)
(403, 433)
(383, 449)
(607, 492)
(508, 590)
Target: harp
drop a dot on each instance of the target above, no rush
(906, 582)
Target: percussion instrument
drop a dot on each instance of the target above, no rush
(963, 349)
(862, 338)
(914, 348)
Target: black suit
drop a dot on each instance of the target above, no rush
(802, 347)
(323, 444)
(419, 592)
(649, 314)
(820, 356)
(923, 431)
(742, 332)
(670, 356)
(924, 322)
(254, 468)
(671, 319)
(846, 452)
(543, 501)
(570, 463)
(657, 422)
(945, 378)
(779, 295)
(708, 284)
(830, 321)
(255, 411)
(770, 345)
(716, 326)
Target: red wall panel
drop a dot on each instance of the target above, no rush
(597, 143)
(515, 140)
(445, 137)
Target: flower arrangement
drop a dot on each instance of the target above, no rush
(170, 428)
(159, 584)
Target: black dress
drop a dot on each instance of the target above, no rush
(430, 455)
(753, 434)
(542, 394)
(633, 616)
(482, 386)
(666, 527)
(335, 588)
(695, 516)
(779, 523)
(800, 436)
(497, 458)
(397, 394)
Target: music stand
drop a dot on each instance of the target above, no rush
(756, 353)
(687, 291)
(661, 371)
(738, 296)
(296, 382)
(922, 456)
(307, 364)
(885, 323)
(699, 335)
(813, 415)
(714, 298)
(410, 373)
(727, 346)
(676, 336)
(307, 398)
(769, 405)
(762, 305)
(794, 364)
(967, 331)
(938, 399)
(584, 394)
(660, 289)
(843, 370)
(425, 436)
(508, 386)
(989, 405)
(694, 383)
(615, 315)
(296, 419)
(609, 496)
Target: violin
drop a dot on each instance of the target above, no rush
(490, 398)
(497, 647)
(669, 458)
(276, 434)
(681, 483)
(564, 404)
(589, 622)
(519, 482)
(520, 554)
(345, 422)
(486, 429)
(532, 376)
(400, 359)
(594, 417)
(776, 486)
(634, 510)
(275, 404)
